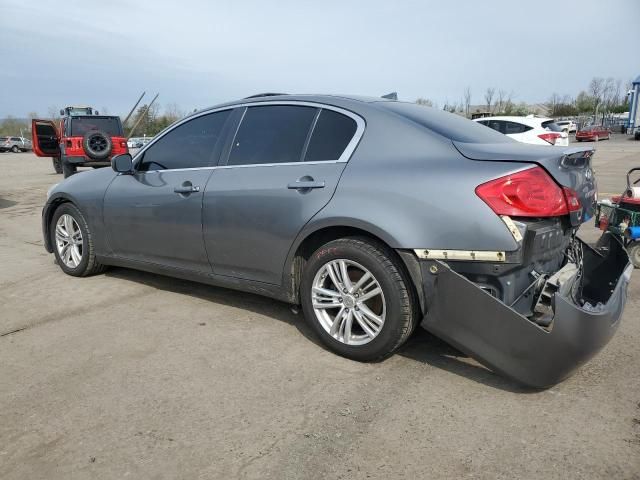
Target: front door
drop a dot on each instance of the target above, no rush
(283, 167)
(155, 214)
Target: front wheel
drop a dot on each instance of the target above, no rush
(15, 149)
(68, 169)
(73, 243)
(357, 297)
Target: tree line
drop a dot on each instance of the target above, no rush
(602, 96)
(149, 123)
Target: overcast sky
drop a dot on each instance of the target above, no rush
(198, 53)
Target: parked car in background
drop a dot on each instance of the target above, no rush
(134, 142)
(529, 129)
(375, 215)
(568, 126)
(593, 133)
(15, 144)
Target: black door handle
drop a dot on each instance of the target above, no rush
(304, 185)
(186, 188)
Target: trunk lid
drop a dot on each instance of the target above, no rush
(568, 166)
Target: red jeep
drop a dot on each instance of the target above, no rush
(79, 140)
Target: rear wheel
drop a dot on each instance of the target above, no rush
(57, 164)
(634, 254)
(72, 242)
(358, 299)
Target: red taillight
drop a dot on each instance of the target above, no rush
(550, 137)
(528, 193)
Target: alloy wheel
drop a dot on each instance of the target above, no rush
(348, 302)
(69, 241)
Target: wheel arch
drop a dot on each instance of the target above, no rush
(47, 215)
(312, 238)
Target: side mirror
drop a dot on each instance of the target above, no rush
(122, 163)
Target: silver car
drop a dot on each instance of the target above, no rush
(15, 144)
(375, 215)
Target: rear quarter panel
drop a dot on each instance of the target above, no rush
(413, 189)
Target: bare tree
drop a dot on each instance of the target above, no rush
(552, 104)
(32, 115)
(488, 97)
(424, 101)
(596, 87)
(53, 112)
(467, 101)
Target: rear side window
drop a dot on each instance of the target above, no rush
(449, 125)
(515, 127)
(189, 145)
(272, 134)
(551, 126)
(331, 135)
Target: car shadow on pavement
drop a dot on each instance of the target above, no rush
(219, 295)
(426, 348)
(421, 347)
(4, 203)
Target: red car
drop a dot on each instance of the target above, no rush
(593, 133)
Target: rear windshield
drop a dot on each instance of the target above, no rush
(449, 125)
(552, 126)
(109, 125)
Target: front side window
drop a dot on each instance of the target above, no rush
(189, 145)
(497, 125)
(272, 134)
(331, 135)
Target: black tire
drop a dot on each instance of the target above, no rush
(401, 305)
(88, 264)
(68, 169)
(634, 254)
(15, 149)
(97, 145)
(57, 164)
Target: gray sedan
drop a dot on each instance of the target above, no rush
(375, 215)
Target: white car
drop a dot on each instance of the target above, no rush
(529, 129)
(134, 142)
(568, 125)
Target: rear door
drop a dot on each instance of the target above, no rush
(155, 214)
(282, 168)
(45, 137)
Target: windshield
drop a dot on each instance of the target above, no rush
(552, 126)
(109, 125)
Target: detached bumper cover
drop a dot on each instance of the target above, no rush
(499, 337)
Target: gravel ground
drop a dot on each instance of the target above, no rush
(129, 374)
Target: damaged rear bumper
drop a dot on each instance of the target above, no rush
(477, 323)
